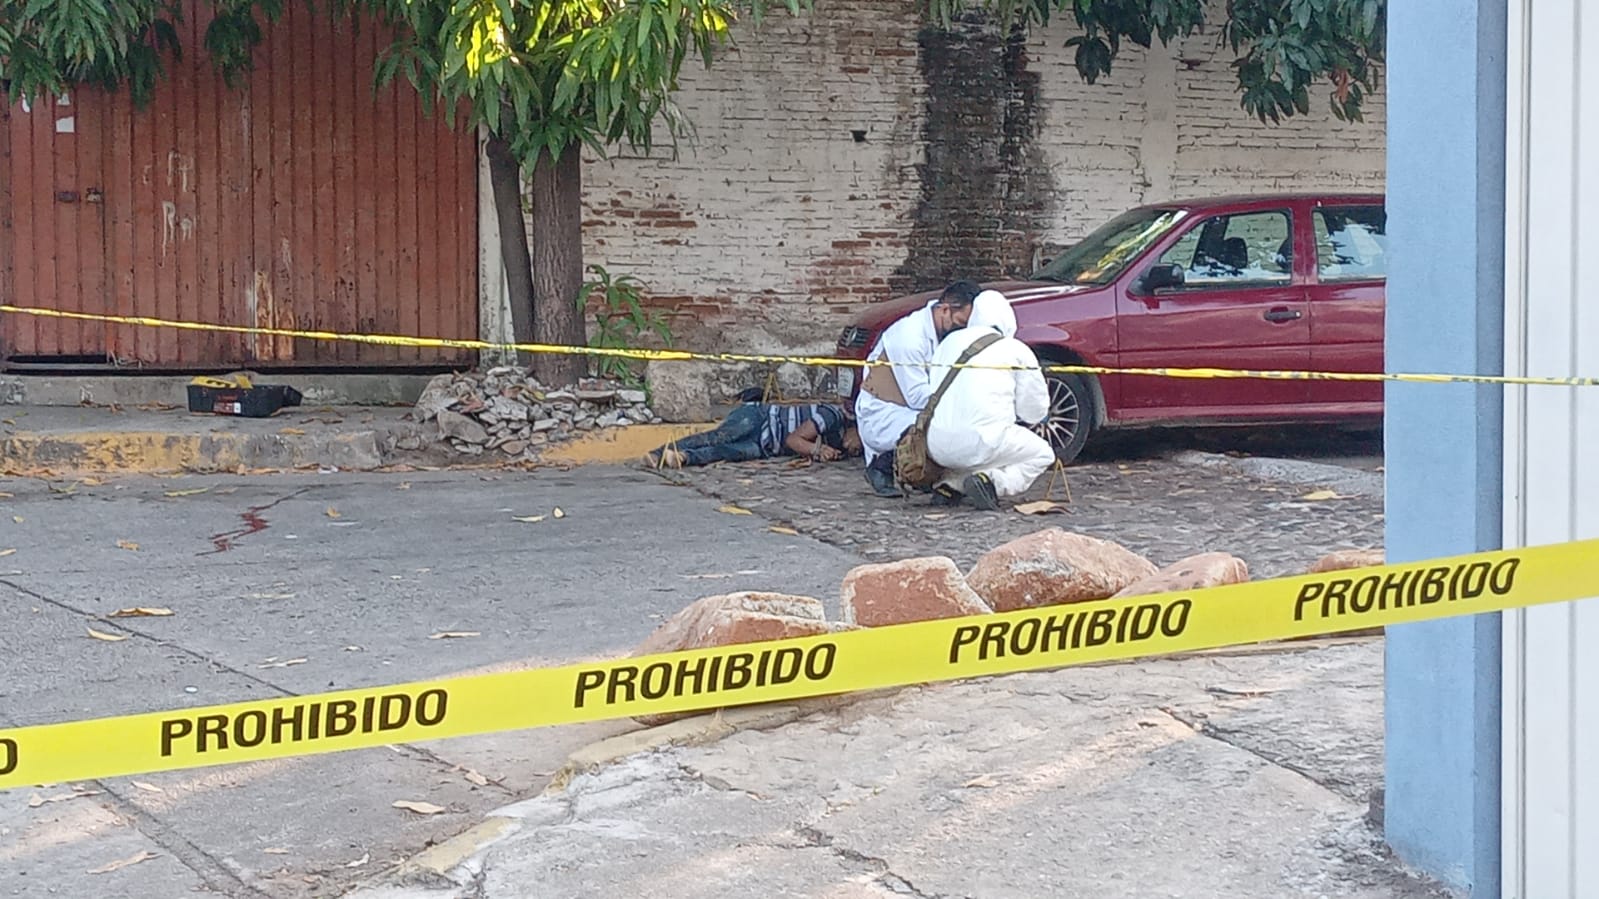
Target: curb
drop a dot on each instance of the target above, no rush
(625, 444)
(226, 451)
(438, 864)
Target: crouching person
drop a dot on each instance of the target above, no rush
(974, 432)
(821, 431)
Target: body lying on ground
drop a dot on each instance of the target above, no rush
(821, 431)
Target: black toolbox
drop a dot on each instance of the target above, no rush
(255, 401)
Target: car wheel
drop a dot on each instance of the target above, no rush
(1071, 416)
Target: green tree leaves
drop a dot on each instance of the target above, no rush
(1282, 46)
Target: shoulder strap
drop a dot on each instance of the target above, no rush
(978, 345)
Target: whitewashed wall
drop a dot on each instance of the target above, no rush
(1551, 674)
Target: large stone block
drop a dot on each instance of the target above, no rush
(1054, 566)
(912, 590)
(1192, 573)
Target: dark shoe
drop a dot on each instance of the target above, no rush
(945, 496)
(882, 483)
(980, 490)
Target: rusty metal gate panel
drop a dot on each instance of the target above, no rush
(297, 200)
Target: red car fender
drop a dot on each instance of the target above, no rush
(1053, 343)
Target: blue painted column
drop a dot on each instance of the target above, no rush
(1446, 124)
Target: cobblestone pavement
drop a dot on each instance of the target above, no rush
(1150, 503)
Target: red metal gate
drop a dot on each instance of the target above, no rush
(297, 201)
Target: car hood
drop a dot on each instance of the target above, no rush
(880, 315)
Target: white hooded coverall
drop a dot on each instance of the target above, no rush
(974, 429)
(909, 343)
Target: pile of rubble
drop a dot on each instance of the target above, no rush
(507, 410)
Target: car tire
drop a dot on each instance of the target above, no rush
(1071, 415)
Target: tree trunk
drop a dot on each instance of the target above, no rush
(558, 264)
(505, 176)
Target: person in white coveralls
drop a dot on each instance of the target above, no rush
(974, 433)
(891, 396)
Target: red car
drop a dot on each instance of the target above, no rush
(1286, 282)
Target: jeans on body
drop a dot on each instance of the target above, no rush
(736, 439)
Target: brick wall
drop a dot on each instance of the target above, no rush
(842, 159)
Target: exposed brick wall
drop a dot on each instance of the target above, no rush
(825, 174)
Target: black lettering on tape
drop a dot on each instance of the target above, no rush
(621, 676)
(431, 707)
(1308, 594)
(341, 715)
(304, 722)
(819, 661)
(1504, 576)
(737, 664)
(212, 726)
(965, 635)
(1057, 633)
(174, 729)
(8, 756)
(1474, 580)
(249, 728)
(1174, 620)
(705, 675)
(786, 665)
(586, 681)
(661, 673)
(393, 711)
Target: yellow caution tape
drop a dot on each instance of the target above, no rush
(648, 355)
(924, 652)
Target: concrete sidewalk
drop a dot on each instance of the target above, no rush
(1225, 774)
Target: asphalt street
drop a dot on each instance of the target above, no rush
(290, 584)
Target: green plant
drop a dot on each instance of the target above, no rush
(621, 320)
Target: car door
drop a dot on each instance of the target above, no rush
(1240, 306)
(1346, 304)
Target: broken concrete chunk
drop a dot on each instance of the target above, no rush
(456, 426)
(1053, 566)
(911, 590)
(1192, 573)
(1347, 558)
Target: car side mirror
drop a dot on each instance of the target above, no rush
(1160, 277)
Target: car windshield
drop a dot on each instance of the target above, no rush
(1101, 256)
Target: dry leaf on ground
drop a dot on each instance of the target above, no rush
(38, 800)
(8, 496)
(404, 485)
(365, 857)
(143, 856)
(148, 788)
(275, 851)
(294, 431)
(332, 512)
(421, 808)
(530, 519)
(476, 778)
(141, 612)
(272, 663)
(982, 780)
(7, 552)
(558, 513)
(128, 545)
(17, 518)
(1041, 507)
(109, 638)
(1319, 495)
(734, 510)
(192, 491)
(446, 635)
(779, 529)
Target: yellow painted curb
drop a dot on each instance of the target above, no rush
(625, 444)
(440, 859)
(149, 451)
